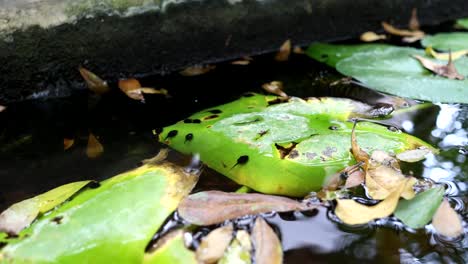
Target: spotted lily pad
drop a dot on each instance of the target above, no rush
(112, 223)
(282, 148)
(447, 41)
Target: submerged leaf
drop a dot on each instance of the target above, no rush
(354, 213)
(446, 56)
(417, 212)
(213, 246)
(94, 148)
(370, 36)
(266, 243)
(22, 214)
(197, 70)
(213, 207)
(413, 155)
(68, 143)
(446, 221)
(448, 70)
(275, 87)
(284, 52)
(95, 84)
(239, 250)
(170, 249)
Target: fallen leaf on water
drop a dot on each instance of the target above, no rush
(446, 56)
(162, 155)
(359, 154)
(68, 143)
(446, 221)
(275, 87)
(197, 70)
(243, 61)
(213, 207)
(213, 246)
(449, 71)
(414, 21)
(131, 88)
(266, 243)
(413, 155)
(95, 84)
(2, 108)
(354, 213)
(94, 148)
(409, 35)
(239, 250)
(355, 179)
(284, 51)
(370, 36)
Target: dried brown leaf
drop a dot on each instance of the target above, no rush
(414, 21)
(213, 246)
(19, 216)
(355, 179)
(94, 148)
(449, 71)
(197, 70)
(446, 221)
(68, 143)
(131, 88)
(284, 51)
(275, 87)
(213, 207)
(370, 36)
(266, 243)
(401, 32)
(359, 154)
(95, 84)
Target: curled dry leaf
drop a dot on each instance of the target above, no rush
(449, 71)
(68, 143)
(94, 148)
(414, 21)
(446, 221)
(266, 243)
(162, 155)
(275, 87)
(370, 36)
(213, 246)
(354, 213)
(213, 207)
(197, 70)
(354, 179)
(244, 61)
(413, 155)
(284, 52)
(446, 56)
(409, 35)
(239, 250)
(95, 84)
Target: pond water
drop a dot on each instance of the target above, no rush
(32, 159)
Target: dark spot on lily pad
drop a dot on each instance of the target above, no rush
(57, 219)
(242, 160)
(189, 137)
(285, 151)
(324, 56)
(293, 154)
(211, 117)
(94, 185)
(310, 155)
(196, 121)
(188, 121)
(333, 127)
(257, 119)
(172, 134)
(329, 151)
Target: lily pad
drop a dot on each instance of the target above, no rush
(463, 23)
(417, 212)
(111, 223)
(281, 148)
(394, 71)
(447, 41)
(170, 249)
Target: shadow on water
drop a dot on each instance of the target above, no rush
(32, 159)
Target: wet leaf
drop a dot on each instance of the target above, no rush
(446, 56)
(239, 250)
(354, 213)
(68, 143)
(275, 87)
(22, 214)
(417, 212)
(284, 51)
(266, 243)
(370, 36)
(95, 84)
(170, 249)
(462, 23)
(94, 148)
(112, 223)
(214, 207)
(288, 148)
(410, 35)
(446, 221)
(414, 21)
(447, 41)
(448, 70)
(355, 179)
(413, 155)
(197, 70)
(213, 246)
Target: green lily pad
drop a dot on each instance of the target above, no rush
(287, 148)
(418, 212)
(109, 224)
(171, 249)
(394, 71)
(462, 23)
(332, 54)
(447, 41)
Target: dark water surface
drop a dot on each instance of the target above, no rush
(32, 159)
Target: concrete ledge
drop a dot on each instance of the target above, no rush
(41, 49)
